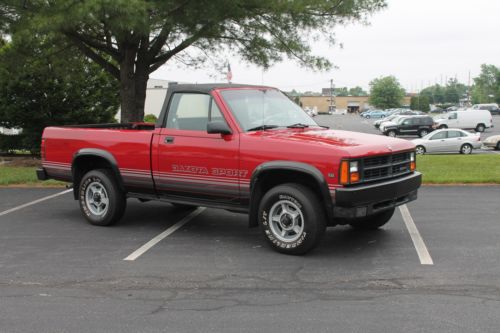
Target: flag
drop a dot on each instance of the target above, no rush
(229, 74)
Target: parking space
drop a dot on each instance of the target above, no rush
(212, 274)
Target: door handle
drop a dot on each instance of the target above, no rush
(169, 139)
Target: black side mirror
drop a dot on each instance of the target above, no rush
(218, 127)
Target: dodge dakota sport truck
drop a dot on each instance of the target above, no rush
(242, 148)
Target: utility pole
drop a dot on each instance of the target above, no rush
(332, 97)
(468, 92)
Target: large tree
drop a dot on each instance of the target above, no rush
(133, 38)
(44, 85)
(386, 92)
(487, 85)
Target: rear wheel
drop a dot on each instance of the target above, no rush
(101, 200)
(423, 133)
(466, 149)
(443, 127)
(480, 128)
(373, 222)
(498, 146)
(367, 117)
(391, 133)
(292, 219)
(420, 150)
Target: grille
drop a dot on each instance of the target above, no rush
(385, 166)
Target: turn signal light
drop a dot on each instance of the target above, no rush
(412, 166)
(354, 177)
(344, 172)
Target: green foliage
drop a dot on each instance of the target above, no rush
(150, 118)
(133, 38)
(342, 91)
(43, 84)
(487, 85)
(451, 93)
(357, 91)
(386, 92)
(420, 103)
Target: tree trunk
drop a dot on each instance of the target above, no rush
(141, 82)
(132, 89)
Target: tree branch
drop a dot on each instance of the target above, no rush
(94, 44)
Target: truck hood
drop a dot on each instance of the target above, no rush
(351, 143)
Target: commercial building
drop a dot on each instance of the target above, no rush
(343, 103)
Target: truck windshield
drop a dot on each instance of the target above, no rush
(264, 109)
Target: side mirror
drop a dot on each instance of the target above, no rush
(218, 127)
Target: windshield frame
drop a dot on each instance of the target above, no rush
(304, 118)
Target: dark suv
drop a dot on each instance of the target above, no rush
(412, 125)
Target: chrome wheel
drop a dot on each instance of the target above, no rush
(420, 150)
(391, 134)
(466, 149)
(96, 198)
(287, 221)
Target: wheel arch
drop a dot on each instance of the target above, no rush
(87, 159)
(270, 174)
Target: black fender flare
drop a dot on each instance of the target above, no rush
(95, 152)
(290, 166)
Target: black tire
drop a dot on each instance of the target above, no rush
(367, 117)
(373, 222)
(443, 127)
(498, 146)
(420, 150)
(480, 128)
(311, 222)
(391, 133)
(422, 133)
(466, 149)
(116, 199)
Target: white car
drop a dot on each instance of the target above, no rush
(492, 142)
(448, 140)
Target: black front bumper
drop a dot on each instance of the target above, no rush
(370, 199)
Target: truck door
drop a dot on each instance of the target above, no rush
(453, 120)
(190, 162)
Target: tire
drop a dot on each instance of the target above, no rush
(498, 146)
(420, 150)
(466, 149)
(367, 117)
(480, 128)
(423, 133)
(392, 133)
(287, 233)
(373, 222)
(443, 127)
(95, 186)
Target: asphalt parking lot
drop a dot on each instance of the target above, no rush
(352, 122)
(60, 274)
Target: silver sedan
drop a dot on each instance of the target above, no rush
(448, 140)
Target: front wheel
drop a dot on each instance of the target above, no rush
(420, 150)
(466, 149)
(101, 200)
(423, 133)
(391, 134)
(373, 222)
(292, 219)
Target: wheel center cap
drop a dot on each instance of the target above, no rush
(286, 221)
(97, 197)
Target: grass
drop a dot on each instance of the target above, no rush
(437, 169)
(25, 176)
(459, 169)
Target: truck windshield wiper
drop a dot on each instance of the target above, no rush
(298, 125)
(262, 128)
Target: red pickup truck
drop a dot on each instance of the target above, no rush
(243, 148)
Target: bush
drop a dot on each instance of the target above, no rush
(150, 118)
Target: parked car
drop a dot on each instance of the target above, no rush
(492, 142)
(411, 125)
(377, 123)
(375, 114)
(242, 148)
(479, 120)
(392, 122)
(492, 107)
(448, 140)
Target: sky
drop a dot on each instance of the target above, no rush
(421, 42)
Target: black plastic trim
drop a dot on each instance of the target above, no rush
(41, 174)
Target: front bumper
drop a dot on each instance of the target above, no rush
(370, 199)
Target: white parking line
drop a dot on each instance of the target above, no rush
(8, 211)
(418, 242)
(143, 249)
